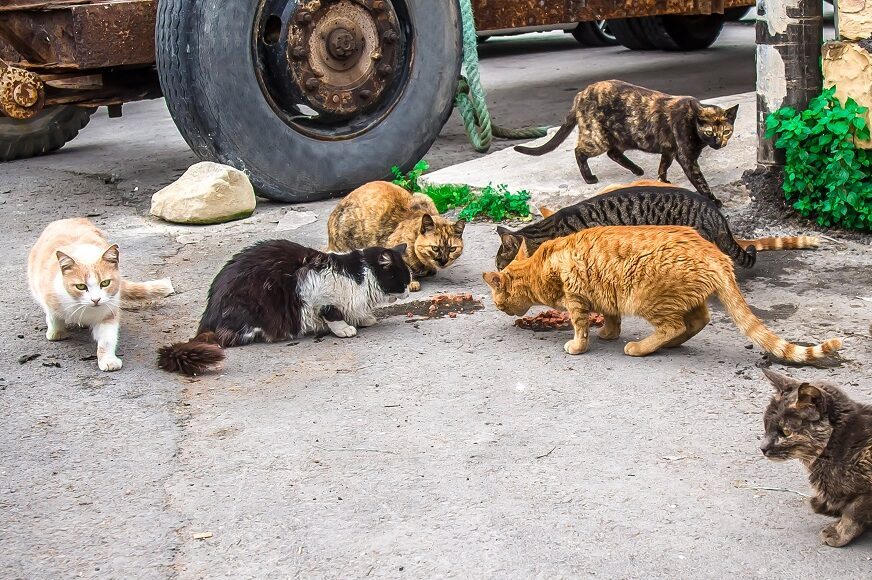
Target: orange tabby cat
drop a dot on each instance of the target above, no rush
(73, 274)
(664, 274)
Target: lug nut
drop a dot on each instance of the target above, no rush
(390, 36)
(304, 18)
(299, 53)
(313, 84)
(364, 95)
(379, 6)
(384, 70)
(25, 95)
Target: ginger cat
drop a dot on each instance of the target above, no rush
(384, 214)
(664, 274)
(73, 274)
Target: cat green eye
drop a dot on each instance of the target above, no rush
(435, 248)
(105, 283)
(81, 287)
(454, 248)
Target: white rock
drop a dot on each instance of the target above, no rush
(208, 193)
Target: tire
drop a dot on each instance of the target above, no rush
(215, 98)
(682, 33)
(48, 131)
(594, 34)
(736, 14)
(482, 39)
(629, 33)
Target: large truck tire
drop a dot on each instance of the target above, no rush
(675, 32)
(309, 103)
(49, 130)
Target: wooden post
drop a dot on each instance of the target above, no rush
(789, 39)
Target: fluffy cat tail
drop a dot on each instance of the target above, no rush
(134, 293)
(200, 354)
(754, 329)
(552, 144)
(783, 243)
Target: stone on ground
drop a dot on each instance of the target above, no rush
(207, 193)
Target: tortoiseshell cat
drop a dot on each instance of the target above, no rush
(665, 274)
(643, 203)
(832, 435)
(383, 214)
(614, 116)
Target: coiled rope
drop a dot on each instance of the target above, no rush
(470, 99)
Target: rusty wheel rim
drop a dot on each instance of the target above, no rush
(332, 69)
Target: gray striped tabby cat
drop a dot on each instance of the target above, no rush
(644, 202)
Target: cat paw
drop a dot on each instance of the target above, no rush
(831, 536)
(591, 180)
(575, 346)
(609, 334)
(367, 321)
(54, 334)
(414, 286)
(109, 363)
(633, 349)
(341, 329)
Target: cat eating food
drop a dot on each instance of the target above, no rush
(614, 116)
(277, 289)
(73, 275)
(383, 214)
(664, 274)
(643, 203)
(832, 435)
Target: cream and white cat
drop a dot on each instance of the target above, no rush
(73, 274)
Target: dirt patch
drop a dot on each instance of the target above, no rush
(549, 320)
(438, 306)
(770, 211)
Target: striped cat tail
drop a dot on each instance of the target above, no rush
(134, 293)
(552, 144)
(783, 243)
(752, 327)
(744, 255)
(200, 354)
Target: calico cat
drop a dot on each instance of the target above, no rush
(832, 435)
(277, 289)
(614, 116)
(664, 274)
(648, 204)
(383, 214)
(73, 275)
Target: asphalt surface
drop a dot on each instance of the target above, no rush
(456, 447)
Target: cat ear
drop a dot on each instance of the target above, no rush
(386, 258)
(546, 212)
(810, 401)
(459, 226)
(111, 254)
(782, 383)
(493, 279)
(427, 223)
(510, 239)
(400, 249)
(65, 261)
(731, 113)
(522, 251)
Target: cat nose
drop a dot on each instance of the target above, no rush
(96, 301)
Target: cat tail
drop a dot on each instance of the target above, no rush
(783, 243)
(200, 354)
(552, 144)
(134, 293)
(752, 327)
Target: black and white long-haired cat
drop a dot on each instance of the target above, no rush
(277, 290)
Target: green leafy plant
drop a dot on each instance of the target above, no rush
(410, 180)
(826, 176)
(447, 197)
(497, 203)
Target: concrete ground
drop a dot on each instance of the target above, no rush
(460, 447)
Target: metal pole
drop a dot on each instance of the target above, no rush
(789, 39)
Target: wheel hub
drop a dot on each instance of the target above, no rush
(334, 56)
(22, 93)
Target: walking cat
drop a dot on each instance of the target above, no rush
(614, 116)
(634, 205)
(665, 274)
(277, 289)
(73, 275)
(383, 214)
(832, 435)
